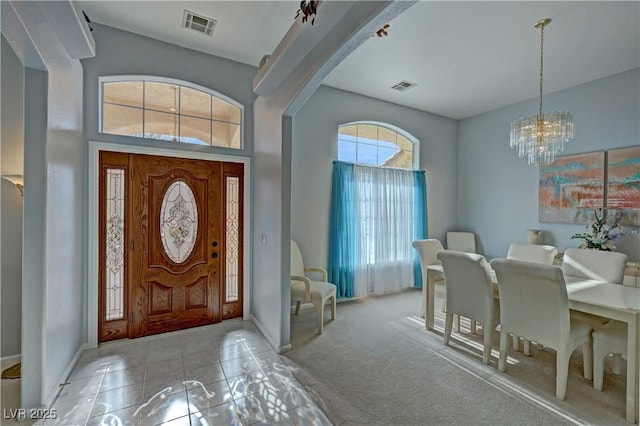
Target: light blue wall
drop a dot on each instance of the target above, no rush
(34, 277)
(498, 192)
(12, 140)
(64, 292)
(271, 198)
(314, 147)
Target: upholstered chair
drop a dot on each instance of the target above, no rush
(535, 253)
(427, 250)
(304, 289)
(534, 305)
(610, 338)
(461, 241)
(469, 292)
(594, 264)
(601, 266)
(532, 253)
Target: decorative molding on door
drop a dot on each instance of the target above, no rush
(92, 250)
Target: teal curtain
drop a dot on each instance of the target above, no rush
(420, 223)
(342, 231)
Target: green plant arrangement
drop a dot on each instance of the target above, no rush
(601, 235)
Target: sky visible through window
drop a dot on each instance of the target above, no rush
(365, 151)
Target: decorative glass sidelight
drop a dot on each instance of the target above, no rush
(232, 238)
(114, 273)
(178, 221)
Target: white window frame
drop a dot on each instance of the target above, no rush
(156, 79)
(413, 139)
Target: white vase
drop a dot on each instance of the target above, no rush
(534, 236)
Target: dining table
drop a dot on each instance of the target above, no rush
(608, 300)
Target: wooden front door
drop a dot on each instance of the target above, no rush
(175, 257)
(183, 256)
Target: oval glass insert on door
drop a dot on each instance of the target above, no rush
(178, 221)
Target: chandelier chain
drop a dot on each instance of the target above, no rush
(540, 137)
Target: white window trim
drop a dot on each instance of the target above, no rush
(93, 243)
(413, 139)
(156, 79)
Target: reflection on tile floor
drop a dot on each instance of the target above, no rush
(225, 374)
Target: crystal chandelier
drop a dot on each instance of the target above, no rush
(541, 136)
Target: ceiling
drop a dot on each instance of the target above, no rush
(466, 57)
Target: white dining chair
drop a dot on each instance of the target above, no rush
(304, 289)
(461, 241)
(535, 253)
(534, 304)
(465, 242)
(427, 250)
(594, 264)
(601, 266)
(532, 253)
(469, 292)
(610, 338)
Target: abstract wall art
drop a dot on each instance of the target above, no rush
(571, 187)
(623, 184)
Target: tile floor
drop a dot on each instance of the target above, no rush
(225, 374)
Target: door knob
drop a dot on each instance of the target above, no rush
(214, 255)
(214, 244)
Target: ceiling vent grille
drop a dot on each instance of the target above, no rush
(199, 23)
(403, 85)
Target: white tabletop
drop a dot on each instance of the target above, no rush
(612, 296)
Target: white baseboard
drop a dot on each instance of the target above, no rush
(65, 375)
(269, 338)
(8, 361)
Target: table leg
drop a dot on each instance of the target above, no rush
(633, 369)
(429, 303)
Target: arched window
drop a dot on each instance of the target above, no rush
(378, 208)
(377, 144)
(168, 109)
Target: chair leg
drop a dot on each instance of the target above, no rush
(448, 324)
(298, 303)
(562, 372)
(473, 327)
(320, 311)
(333, 307)
(526, 349)
(599, 354)
(516, 343)
(486, 353)
(587, 359)
(457, 328)
(504, 345)
(617, 364)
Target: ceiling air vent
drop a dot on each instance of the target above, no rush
(403, 85)
(198, 23)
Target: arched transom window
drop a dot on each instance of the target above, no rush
(376, 144)
(169, 109)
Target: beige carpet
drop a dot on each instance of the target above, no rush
(377, 365)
